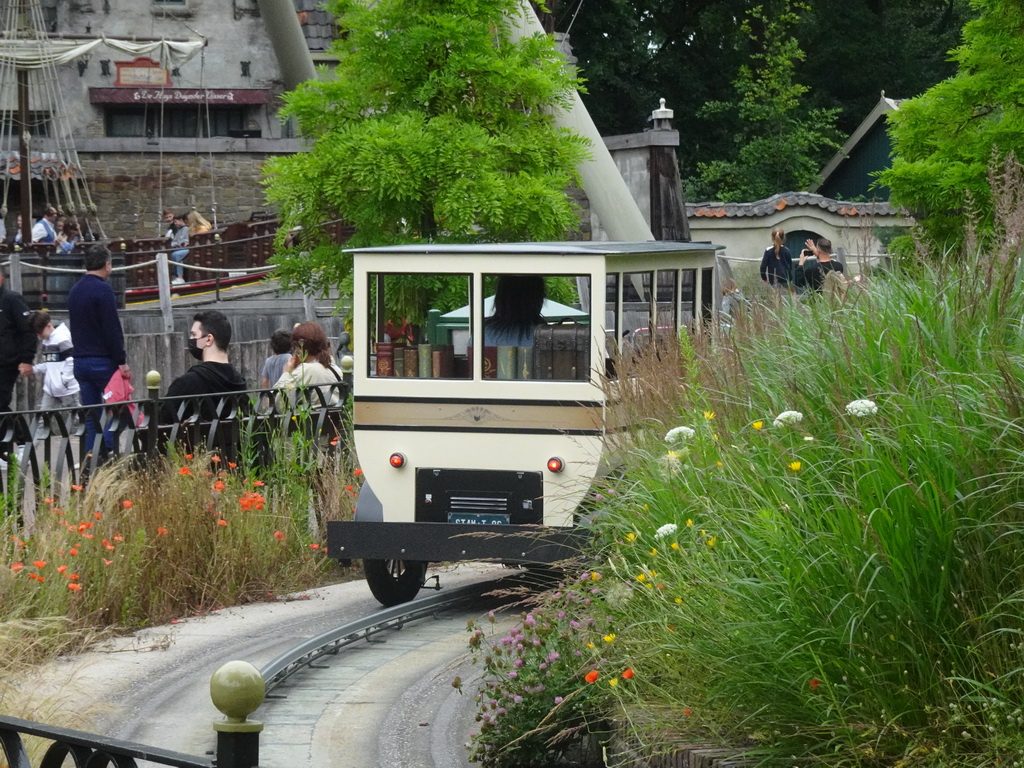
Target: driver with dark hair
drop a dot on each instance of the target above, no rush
(518, 301)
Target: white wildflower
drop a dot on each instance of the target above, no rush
(666, 530)
(679, 435)
(670, 461)
(788, 419)
(862, 408)
(808, 439)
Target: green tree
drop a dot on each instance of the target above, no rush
(945, 140)
(778, 143)
(434, 125)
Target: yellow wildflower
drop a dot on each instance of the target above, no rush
(595, 576)
(641, 577)
(689, 523)
(610, 638)
(590, 646)
(630, 536)
(679, 600)
(758, 425)
(795, 466)
(709, 415)
(719, 464)
(711, 542)
(613, 682)
(654, 550)
(675, 545)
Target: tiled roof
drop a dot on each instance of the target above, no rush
(783, 200)
(317, 24)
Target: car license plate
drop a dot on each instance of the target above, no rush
(477, 518)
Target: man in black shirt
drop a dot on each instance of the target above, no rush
(17, 343)
(815, 273)
(208, 341)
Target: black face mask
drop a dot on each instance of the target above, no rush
(194, 350)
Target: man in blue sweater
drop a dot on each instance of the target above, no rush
(97, 337)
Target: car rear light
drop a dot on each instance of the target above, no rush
(555, 464)
(397, 460)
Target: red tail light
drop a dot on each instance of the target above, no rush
(555, 464)
(397, 460)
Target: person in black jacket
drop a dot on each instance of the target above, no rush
(776, 262)
(17, 343)
(208, 341)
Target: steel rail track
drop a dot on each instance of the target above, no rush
(332, 641)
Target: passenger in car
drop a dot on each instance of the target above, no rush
(518, 301)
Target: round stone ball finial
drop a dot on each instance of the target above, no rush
(237, 690)
(153, 379)
(347, 363)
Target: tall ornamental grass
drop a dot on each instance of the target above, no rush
(823, 544)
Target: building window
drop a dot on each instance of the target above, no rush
(177, 123)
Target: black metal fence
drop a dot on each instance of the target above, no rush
(51, 446)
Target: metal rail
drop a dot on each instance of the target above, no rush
(330, 642)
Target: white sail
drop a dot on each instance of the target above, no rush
(48, 52)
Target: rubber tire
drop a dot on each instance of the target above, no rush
(394, 582)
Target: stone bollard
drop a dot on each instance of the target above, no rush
(237, 690)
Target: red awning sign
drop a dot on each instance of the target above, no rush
(183, 96)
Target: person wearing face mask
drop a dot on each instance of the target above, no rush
(208, 342)
(98, 339)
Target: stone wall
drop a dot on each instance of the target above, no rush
(130, 189)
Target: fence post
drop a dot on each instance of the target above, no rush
(237, 690)
(163, 283)
(16, 270)
(345, 359)
(153, 385)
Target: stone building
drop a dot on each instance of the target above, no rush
(195, 136)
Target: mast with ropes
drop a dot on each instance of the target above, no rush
(33, 114)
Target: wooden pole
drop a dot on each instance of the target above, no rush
(24, 159)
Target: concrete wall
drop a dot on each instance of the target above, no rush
(745, 237)
(233, 27)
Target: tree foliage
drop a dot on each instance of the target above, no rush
(777, 142)
(946, 139)
(633, 52)
(435, 125)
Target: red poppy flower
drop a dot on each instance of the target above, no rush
(126, 504)
(73, 576)
(314, 546)
(108, 545)
(107, 562)
(349, 488)
(188, 456)
(73, 551)
(161, 531)
(279, 535)
(258, 483)
(61, 568)
(686, 711)
(814, 683)
(74, 586)
(77, 487)
(232, 464)
(17, 566)
(357, 472)
(118, 537)
(184, 471)
(215, 459)
(219, 486)
(627, 674)
(222, 522)
(98, 515)
(39, 563)
(591, 676)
